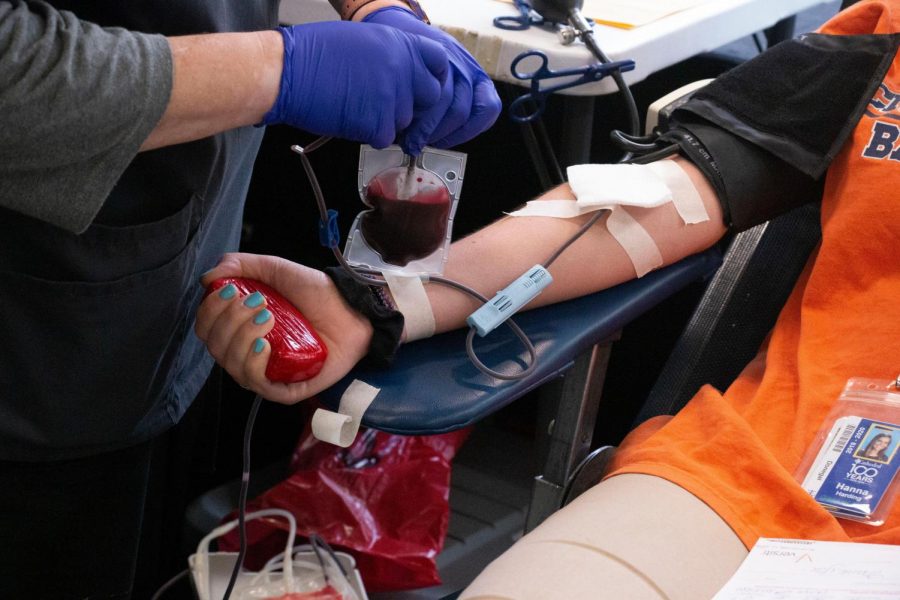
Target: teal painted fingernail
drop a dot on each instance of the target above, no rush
(258, 345)
(262, 316)
(254, 300)
(227, 292)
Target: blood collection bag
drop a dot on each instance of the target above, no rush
(408, 225)
(408, 220)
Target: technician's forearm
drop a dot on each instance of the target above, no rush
(220, 81)
(358, 9)
(491, 258)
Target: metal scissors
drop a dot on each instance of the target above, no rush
(520, 112)
(527, 17)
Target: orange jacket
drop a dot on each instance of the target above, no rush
(737, 451)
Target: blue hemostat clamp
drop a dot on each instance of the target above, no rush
(521, 112)
(509, 300)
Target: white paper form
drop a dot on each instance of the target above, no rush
(805, 570)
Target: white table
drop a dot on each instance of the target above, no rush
(653, 47)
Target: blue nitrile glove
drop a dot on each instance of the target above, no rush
(469, 103)
(359, 82)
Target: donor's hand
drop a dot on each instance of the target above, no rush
(232, 331)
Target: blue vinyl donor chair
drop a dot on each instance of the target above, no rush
(434, 388)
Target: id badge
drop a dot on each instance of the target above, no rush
(855, 468)
(851, 466)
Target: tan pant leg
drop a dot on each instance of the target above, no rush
(630, 537)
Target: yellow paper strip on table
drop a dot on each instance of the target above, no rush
(627, 14)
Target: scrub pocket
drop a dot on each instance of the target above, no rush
(88, 357)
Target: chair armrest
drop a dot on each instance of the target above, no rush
(434, 388)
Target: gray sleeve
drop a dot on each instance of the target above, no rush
(76, 103)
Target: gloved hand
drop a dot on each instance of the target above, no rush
(359, 82)
(469, 103)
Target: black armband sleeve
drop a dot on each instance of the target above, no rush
(765, 132)
(386, 322)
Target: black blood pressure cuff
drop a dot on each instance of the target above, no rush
(752, 184)
(765, 132)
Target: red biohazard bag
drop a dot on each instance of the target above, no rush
(384, 500)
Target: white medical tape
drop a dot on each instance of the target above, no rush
(340, 428)
(412, 301)
(561, 209)
(635, 240)
(610, 187)
(685, 196)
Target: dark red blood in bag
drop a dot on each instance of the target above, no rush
(298, 352)
(408, 220)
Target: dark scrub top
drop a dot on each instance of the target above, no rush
(97, 328)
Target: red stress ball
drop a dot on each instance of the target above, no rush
(298, 352)
(408, 220)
